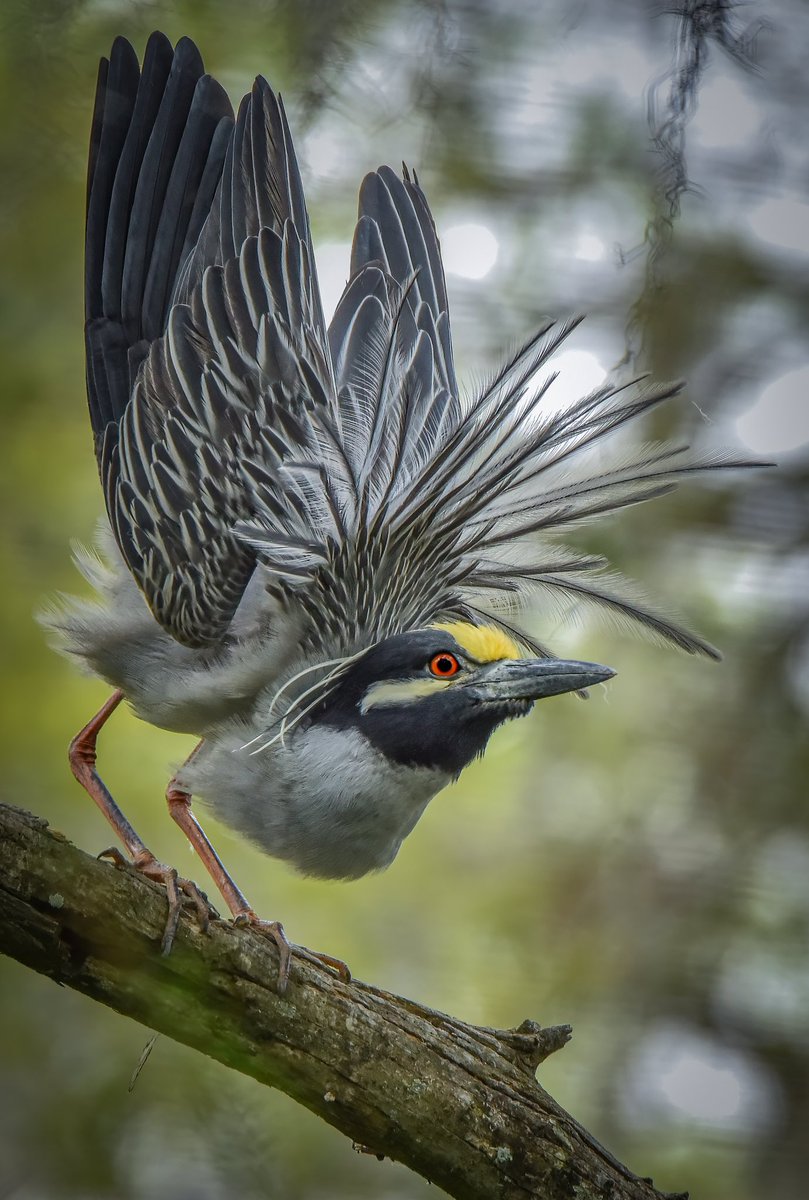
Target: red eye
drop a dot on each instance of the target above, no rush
(444, 665)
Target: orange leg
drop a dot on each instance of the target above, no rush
(82, 756)
(179, 802)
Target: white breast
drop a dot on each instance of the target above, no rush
(327, 802)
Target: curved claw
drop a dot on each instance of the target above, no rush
(176, 887)
(336, 964)
(275, 931)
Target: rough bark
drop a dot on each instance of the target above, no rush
(456, 1103)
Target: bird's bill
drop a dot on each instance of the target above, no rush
(535, 678)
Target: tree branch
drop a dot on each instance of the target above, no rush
(457, 1103)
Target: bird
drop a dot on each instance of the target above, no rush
(317, 547)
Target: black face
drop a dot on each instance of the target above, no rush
(410, 696)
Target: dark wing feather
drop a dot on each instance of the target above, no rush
(260, 188)
(153, 133)
(206, 347)
(395, 232)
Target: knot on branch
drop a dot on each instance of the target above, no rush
(532, 1044)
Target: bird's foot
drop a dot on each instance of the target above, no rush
(275, 931)
(176, 888)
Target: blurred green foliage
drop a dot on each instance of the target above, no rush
(637, 865)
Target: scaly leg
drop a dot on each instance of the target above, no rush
(82, 755)
(179, 802)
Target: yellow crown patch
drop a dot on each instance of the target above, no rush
(484, 643)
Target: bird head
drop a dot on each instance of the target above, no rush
(433, 697)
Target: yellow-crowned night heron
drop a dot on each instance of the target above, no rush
(317, 544)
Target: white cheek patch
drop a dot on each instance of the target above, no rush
(401, 691)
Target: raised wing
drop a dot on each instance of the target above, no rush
(206, 346)
(231, 431)
(423, 505)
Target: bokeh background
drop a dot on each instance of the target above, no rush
(638, 865)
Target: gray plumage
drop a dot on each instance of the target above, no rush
(283, 496)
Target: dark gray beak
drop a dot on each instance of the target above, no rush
(533, 679)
